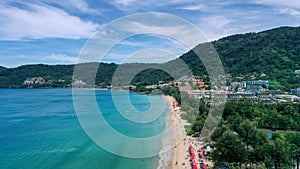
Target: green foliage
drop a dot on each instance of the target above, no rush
(151, 76)
(294, 140)
(243, 127)
(172, 91)
(229, 149)
(277, 154)
(284, 116)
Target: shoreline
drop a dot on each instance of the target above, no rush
(176, 154)
(174, 147)
(180, 135)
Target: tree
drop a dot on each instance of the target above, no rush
(219, 131)
(256, 140)
(244, 130)
(294, 140)
(229, 150)
(277, 154)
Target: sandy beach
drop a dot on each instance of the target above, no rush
(180, 150)
(180, 153)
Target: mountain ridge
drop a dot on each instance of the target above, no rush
(270, 55)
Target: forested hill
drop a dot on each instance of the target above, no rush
(2, 68)
(54, 75)
(272, 55)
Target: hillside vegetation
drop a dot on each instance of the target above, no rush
(269, 55)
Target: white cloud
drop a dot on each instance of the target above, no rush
(217, 21)
(62, 58)
(290, 7)
(82, 6)
(215, 27)
(124, 2)
(199, 7)
(152, 41)
(171, 29)
(135, 5)
(21, 59)
(150, 56)
(290, 11)
(280, 3)
(41, 21)
(79, 5)
(154, 51)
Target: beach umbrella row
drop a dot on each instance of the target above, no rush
(192, 159)
(192, 152)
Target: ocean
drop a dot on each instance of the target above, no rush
(40, 129)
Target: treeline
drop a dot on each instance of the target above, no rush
(264, 115)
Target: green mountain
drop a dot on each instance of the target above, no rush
(2, 68)
(54, 75)
(272, 55)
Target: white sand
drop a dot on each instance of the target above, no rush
(179, 152)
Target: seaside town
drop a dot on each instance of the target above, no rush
(251, 89)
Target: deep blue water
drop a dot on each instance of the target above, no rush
(39, 129)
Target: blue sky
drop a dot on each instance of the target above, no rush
(54, 31)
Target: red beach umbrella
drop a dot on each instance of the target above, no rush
(201, 155)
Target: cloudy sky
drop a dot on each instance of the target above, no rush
(54, 31)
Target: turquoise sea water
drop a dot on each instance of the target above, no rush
(39, 129)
